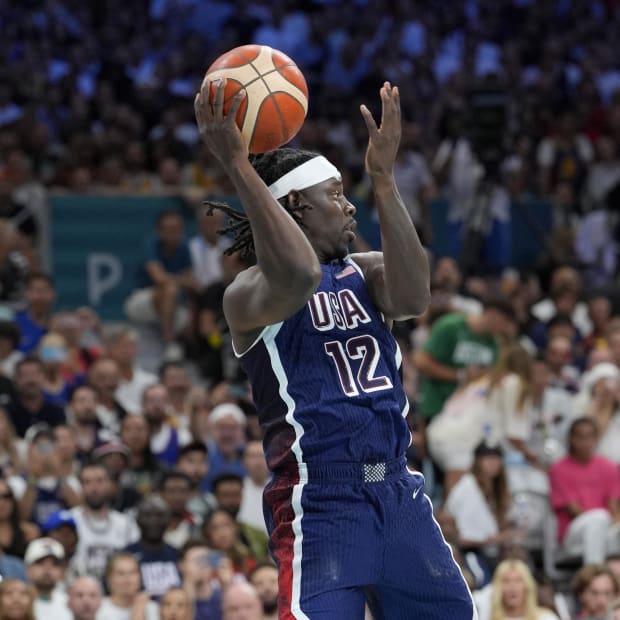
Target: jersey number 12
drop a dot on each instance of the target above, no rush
(366, 349)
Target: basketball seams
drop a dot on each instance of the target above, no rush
(277, 95)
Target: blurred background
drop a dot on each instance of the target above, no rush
(111, 275)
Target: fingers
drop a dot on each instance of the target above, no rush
(237, 99)
(369, 120)
(218, 100)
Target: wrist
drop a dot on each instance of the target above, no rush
(382, 182)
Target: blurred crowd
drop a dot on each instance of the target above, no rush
(131, 487)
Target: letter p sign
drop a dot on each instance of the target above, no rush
(105, 271)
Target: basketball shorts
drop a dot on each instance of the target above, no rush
(348, 534)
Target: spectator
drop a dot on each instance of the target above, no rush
(613, 564)
(84, 598)
(144, 471)
(115, 457)
(264, 578)
(176, 605)
(251, 510)
(157, 559)
(10, 461)
(16, 600)
(514, 594)
(205, 575)
(194, 463)
(9, 353)
(82, 414)
(104, 377)
(209, 345)
(175, 492)
(45, 566)
(66, 448)
(125, 599)
(122, 347)
(13, 266)
(61, 526)
(560, 360)
(495, 406)
(30, 405)
(221, 533)
(101, 530)
(33, 322)
(460, 348)
(599, 399)
(166, 274)
(175, 378)
(80, 353)
(564, 155)
(47, 488)
(480, 503)
(228, 493)
(595, 587)
(227, 423)
(565, 288)
(241, 602)
(15, 533)
(585, 495)
(166, 439)
(206, 248)
(446, 283)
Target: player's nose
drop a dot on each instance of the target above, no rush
(349, 208)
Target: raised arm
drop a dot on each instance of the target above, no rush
(287, 271)
(399, 276)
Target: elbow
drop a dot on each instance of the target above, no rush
(422, 302)
(415, 305)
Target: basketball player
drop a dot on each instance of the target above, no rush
(311, 323)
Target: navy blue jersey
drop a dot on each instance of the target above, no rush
(326, 381)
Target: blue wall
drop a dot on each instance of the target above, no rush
(98, 242)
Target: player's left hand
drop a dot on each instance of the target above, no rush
(383, 141)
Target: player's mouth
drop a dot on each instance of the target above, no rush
(349, 230)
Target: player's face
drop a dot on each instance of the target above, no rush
(330, 223)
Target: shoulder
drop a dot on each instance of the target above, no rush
(368, 262)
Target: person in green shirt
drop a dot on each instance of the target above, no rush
(460, 348)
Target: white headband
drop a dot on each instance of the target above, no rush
(311, 172)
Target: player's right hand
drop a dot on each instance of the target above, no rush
(219, 131)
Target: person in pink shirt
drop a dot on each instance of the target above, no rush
(585, 495)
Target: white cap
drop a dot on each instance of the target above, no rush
(603, 370)
(227, 410)
(41, 548)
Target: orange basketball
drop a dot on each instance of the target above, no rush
(277, 95)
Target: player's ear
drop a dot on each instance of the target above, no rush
(295, 199)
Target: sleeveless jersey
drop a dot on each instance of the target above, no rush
(326, 381)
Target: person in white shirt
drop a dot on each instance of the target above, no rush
(166, 438)
(126, 600)
(44, 561)
(101, 530)
(84, 598)
(251, 511)
(207, 247)
(122, 347)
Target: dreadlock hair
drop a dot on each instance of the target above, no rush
(270, 167)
